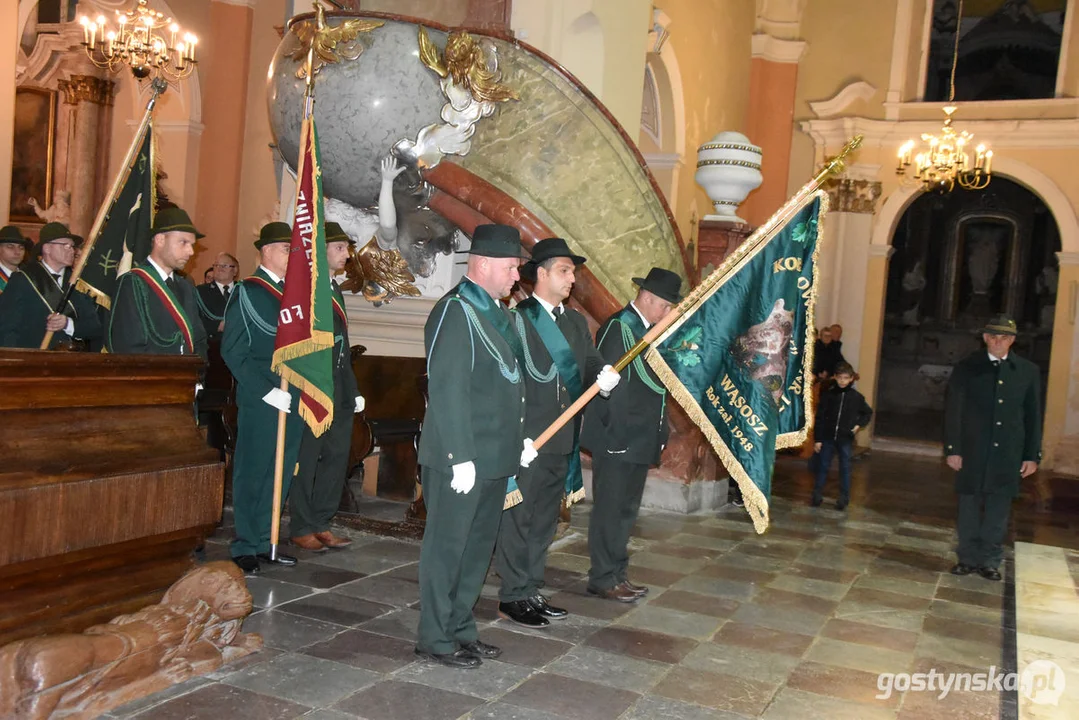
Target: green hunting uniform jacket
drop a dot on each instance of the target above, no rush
(992, 419)
(476, 407)
(211, 302)
(141, 322)
(632, 424)
(545, 391)
(28, 300)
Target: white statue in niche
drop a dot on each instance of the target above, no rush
(59, 211)
(913, 283)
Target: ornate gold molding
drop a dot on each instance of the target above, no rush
(87, 88)
(853, 196)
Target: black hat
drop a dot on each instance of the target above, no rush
(662, 283)
(1001, 325)
(10, 235)
(545, 250)
(496, 241)
(334, 233)
(173, 219)
(57, 231)
(274, 232)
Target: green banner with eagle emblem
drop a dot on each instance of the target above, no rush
(740, 358)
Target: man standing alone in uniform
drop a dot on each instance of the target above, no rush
(992, 439)
(626, 435)
(472, 443)
(560, 362)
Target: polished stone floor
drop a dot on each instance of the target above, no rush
(800, 623)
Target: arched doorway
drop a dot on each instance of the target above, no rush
(958, 259)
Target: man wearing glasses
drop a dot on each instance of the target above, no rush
(214, 295)
(33, 293)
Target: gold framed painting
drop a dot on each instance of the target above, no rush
(35, 141)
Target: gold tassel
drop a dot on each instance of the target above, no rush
(575, 497)
(513, 498)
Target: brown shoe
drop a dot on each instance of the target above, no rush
(619, 592)
(308, 542)
(330, 540)
(639, 590)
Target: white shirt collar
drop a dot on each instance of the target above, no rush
(994, 358)
(6, 269)
(546, 305)
(48, 267)
(268, 272)
(643, 318)
(160, 271)
(222, 287)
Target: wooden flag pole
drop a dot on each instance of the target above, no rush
(278, 477)
(762, 235)
(157, 86)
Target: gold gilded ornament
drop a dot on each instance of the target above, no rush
(380, 275)
(324, 40)
(464, 62)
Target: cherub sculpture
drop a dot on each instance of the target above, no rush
(192, 631)
(59, 211)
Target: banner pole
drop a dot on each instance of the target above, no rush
(158, 86)
(762, 235)
(278, 476)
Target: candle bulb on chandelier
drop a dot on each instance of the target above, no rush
(85, 29)
(173, 29)
(988, 162)
(111, 38)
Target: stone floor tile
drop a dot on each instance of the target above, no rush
(896, 585)
(755, 562)
(328, 715)
(570, 698)
(966, 613)
(303, 679)
(400, 624)
(781, 550)
(289, 632)
(573, 629)
(310, 574)
(734, 589)
(976, 632)
(695, 603)
(813, 572)
(690, 551)
(603, 668)
(382, 589)
(267, 593)
(888, 599)
(405, 552)
(971, 582)
(774, 597)
(671, 622)
(724, 571)
(370, 651)
(137, 706)
(741, 661)
(973, 654)
(642, 644)
(890, 568)
(790, 619)
(396, 700)
(651, 707)
(557, 579)
(763, 638)
(527, 650)
(839, 682)
(705, 544)
(505, 711)
(491, 680)
(654, 578)
(872, 635)
(666, 562)
(809, 586)
(857, 656)
(410, 572)
(354, 561)
(336, 608)
(875, 614)
(217, 700)
(970, 597)
(930, 706)
(790, 704)
(589, 605)
(722, 692)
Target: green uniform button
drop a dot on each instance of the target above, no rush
(451, 456)
(1001, 401)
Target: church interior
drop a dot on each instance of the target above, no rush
(648, 134)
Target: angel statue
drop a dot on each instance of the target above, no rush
(59, 211)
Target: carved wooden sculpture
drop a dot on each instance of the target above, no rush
(192, 631)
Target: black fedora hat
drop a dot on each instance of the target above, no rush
(53, 231)
(496, 241)
(335, 233)
(174, 219)
(11, 235)
(662, 283)
(1001, 325)
(545, 250)
(274, 232)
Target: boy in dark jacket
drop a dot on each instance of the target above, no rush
(841, 413)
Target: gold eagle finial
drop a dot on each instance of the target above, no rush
(324, 40)
(463, 60)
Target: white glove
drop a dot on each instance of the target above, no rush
(360, 404)
(607, 379)
(279, 399)
(198, 388)
(464, 477)
(528, 453)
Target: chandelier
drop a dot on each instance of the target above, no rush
(943, 160)
(139, 42)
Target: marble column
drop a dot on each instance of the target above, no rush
(88, 95)
(1060, 442)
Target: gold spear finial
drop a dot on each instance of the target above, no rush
(324, 44)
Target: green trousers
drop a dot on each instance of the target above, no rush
(457, 545)
(528, 528)
(253, 471)
(982, 525)
(617, 488)
(321, 475)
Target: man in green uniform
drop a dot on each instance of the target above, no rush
(626, 435)
(323, 461)
(247, 347)
(13, 249)
(992, 439)
(213, 295)
(35, 291)
(560, 362)
(154, 310)
(472, 440)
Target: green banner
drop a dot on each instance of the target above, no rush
(125, 238)
(740, 357)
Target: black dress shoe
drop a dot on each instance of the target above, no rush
(461, 659)
(840, 504)
(481, 649)
(522, 613)
(248, 563)
(989, 573)
(619, 592)
(281, 559)
(638, 590)
(540, 605)
(816, 501)
(962, 569)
